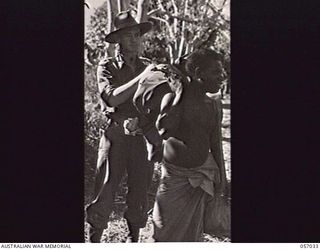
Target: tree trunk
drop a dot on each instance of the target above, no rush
(109, 16)
(119, 6)
(112, 10)
(123, 5)
(183, 30)
(142, 11)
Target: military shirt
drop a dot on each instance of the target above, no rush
(113, 72)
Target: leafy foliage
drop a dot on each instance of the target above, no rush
(180, 26)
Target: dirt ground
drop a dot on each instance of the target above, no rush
(117, 229)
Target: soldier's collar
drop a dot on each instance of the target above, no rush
(120, 60)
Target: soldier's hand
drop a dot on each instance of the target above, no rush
(146, 72)
(131, 126)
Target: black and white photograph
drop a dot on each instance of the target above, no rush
(157, 121)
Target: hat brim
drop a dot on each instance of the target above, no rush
(114, 37)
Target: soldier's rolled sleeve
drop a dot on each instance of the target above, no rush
(105, 84)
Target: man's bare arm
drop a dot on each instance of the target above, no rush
(169, 118)
(217, 149)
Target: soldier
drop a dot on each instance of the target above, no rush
(122, 147)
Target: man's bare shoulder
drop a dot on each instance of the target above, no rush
(166, 101)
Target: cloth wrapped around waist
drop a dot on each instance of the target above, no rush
(204, 176)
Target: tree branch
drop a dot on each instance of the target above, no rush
(171, 53)
(161, 5)
(175, 22)
(206, 10)
(183, 28)
(152, 12)
(181, 18)
(218, 12)
(167, 23)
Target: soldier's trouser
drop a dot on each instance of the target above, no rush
(125, 153)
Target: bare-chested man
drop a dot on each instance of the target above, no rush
(193, 166)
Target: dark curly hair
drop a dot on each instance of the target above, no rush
(200, 58)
